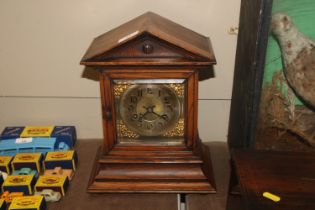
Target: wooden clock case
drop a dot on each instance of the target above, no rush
(151, 47)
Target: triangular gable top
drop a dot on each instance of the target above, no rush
(154, 25)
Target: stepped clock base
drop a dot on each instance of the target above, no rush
(183, 173)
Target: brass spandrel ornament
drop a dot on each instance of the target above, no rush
(178, 130)
(120, 89)
(125, 132)
(179, 89)
(150, 109)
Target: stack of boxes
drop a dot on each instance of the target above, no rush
(37, 173)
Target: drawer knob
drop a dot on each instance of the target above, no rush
(147, 48)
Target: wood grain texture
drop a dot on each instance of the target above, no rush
(289, 175)
(157, 26)
(221, 167)
(150, 172)
(248, 72)
(145, 174)
(78, 199)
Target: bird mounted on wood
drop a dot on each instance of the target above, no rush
(298, 53)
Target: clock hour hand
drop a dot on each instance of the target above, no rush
(146, 111)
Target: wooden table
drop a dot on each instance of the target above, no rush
(290, 175)
(78, 199)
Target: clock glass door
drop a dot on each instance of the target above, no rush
(150, 111)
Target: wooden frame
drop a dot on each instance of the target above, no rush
(252, 41)
(109, 126)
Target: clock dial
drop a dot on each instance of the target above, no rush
(150, 109)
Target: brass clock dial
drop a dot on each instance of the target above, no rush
(150, 109)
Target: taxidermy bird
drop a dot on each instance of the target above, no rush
(298, 53)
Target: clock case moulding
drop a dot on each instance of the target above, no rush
(151, 47)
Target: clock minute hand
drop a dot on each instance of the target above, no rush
(150, 109)
(164, 116)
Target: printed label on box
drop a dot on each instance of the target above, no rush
(63, 134)
(11, 132)
(66, 160)
(67, 155)
(27, 160)
(16, 180)
(56, 182)
(27, 157)
(20, 183)
(37, 131)
(27, 202)
(23, 140)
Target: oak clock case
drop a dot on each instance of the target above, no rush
(149, 73)
(150, 111)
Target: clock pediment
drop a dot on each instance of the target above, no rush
(146, 48)
(150, 40)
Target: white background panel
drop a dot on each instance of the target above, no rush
(213, 119)
(85, 114)
(43, 41)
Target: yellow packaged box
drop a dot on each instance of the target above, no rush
(53, 182)
(2, 204)
(20, 183)
(28, 203)
(64, 159)
(37, 131)
(27, 160)
(5, 164)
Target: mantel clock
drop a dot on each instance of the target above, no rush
(149, 71)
